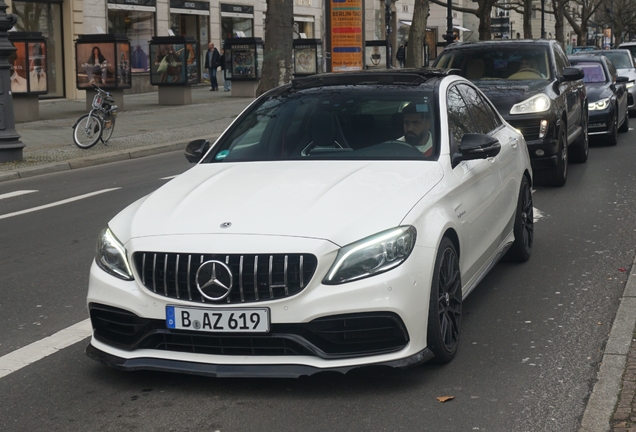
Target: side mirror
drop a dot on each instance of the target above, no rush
(195, 150)
(476, 146)
(572, 74)
(621, 79)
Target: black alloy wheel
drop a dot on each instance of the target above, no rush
(612, 138)
(445, 306)
(521, 249)
(579, 151)
(558, 175)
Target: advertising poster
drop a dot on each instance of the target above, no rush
(167, 64)
(375, 57)
(19, 68)
(243, 64)
(192, 74)
(37, 67)
(96, 64)
(123, 65)
(305, 59)
(346, 35)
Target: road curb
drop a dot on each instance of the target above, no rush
(83, 162)
(600, 407)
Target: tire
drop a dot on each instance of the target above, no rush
(558, 175)
(612, 138)
(521, 249)
(579, 151)
(625, 126)
(87, 137)
(109, 127)
(445, 304)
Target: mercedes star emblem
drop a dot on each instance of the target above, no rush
(214, 280)
(226, 224)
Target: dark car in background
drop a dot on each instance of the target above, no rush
(607, 97)
(623, 61)
(546, 100)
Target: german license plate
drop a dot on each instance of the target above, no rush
(218, 320)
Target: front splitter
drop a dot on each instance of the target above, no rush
(240, 371)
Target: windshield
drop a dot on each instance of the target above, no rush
(361, 122)
(620, 60)
(593, 72)
(502, 62)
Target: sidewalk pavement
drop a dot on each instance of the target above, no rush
(145, 128)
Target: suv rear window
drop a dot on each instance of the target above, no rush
(504, 62)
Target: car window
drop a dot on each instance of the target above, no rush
(612, 70)
(339, 122)
(632, 49)
(620, 60)
(560, 61)
(514, 62)
(460, 122)
(478, 109)
(593, 72)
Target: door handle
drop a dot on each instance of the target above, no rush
(513, 142)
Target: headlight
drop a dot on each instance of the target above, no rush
(630, 84)
(373, 255)
(111, 256)
(535, 104)
(598, 105)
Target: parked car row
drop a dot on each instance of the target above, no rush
(341, 220)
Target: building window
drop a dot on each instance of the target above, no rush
(236, 21)
(303, 27)
(47, 19)
(138, 24)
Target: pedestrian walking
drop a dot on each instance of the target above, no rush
(227, 84)
(400, 55)
(211, 64)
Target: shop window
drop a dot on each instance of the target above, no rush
(139, 27)
(47, 19)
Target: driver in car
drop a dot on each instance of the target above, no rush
(417, 122)
(528, 70)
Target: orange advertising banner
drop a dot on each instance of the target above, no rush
(346, 35)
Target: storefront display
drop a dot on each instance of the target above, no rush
(236, 21)
(244, 58)
(375, 54)
(307, 56)
(137, 22)
(103, 60)
(192, 19)
(173, 61)
(29, 67)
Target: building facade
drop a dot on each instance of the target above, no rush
(62, 21)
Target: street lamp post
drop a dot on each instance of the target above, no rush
(387, 22)
(450, 36)
(542, 19)
(10, 145)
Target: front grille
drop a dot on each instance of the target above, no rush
(529, 132)
(333, 337)
(255, 277)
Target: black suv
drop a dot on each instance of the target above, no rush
(534, 87)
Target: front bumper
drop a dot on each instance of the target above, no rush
(305, 329)
(542, 149)
(600, 122)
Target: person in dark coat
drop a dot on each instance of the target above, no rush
(400, 55)
(212, 57)
(226, 82)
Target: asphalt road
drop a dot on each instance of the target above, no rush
(532, 339)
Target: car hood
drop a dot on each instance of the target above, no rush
(596, 92)
(340, 201)
(504, 94)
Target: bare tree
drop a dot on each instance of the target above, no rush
(620, 15)
(578, 13)
(417, 32)
(558, 8)
(483, 12)
(277, 50)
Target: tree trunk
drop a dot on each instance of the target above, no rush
(527, 19)
(558, 6)
(277, 50)
(483, 13)
(417, 33)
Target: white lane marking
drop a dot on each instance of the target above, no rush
(57, 203)
(16, 193)
(29, 354)
(169, 178)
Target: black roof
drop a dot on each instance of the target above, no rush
(376, 76)
(507, 42)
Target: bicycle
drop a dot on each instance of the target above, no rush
(99, 123)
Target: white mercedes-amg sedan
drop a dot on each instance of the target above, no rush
(339, 222)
